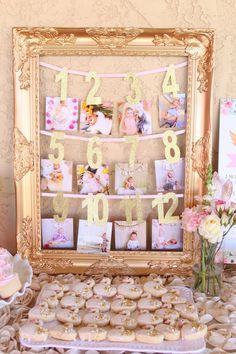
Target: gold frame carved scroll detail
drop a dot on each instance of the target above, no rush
(30, 44)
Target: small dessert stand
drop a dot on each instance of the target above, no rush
(25, 273)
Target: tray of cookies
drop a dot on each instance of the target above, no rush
(115, 316)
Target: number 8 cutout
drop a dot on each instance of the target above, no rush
(170, 142)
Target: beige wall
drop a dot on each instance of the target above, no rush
(217, 14)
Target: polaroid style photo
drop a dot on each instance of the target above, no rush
(166, 236)
(56, 177)
(61, 115)
(130, 237)
(169, 176)
(135, 118)
(96, 119)
(172, 111)
(130, 180)
(57, 234)
(94, 238)
(92, 180)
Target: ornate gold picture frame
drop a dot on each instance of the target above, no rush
(31, 45)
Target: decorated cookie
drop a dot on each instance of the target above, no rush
(154, 288)
(98, 318)
(173, 297)
(92, 333)
(33, 332)
(52, 301)
(98, 303)
(124, 320)
(149, 335)
(169, 316)
(187, 311)
(71, 301)
(194, 330)
(63, 332)
(42, 312)
(58, 288)
(82, 289)
(122, 304)
(130, 291)
(105, 290)
(120, 334)
(169, 332)
(68, 316)
(147, 303)
(149, 319)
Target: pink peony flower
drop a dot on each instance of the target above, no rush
(191, 219)
(49, 121)
(75, 108)
(74, 113)
(71, 126)
(74, 100)
(48, 114)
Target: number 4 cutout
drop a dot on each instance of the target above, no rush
(169, 84)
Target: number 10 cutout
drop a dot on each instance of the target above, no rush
(92, 204)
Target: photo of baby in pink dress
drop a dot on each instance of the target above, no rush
(90, 180)
(135, 119)
(57, 235)
(61, 115)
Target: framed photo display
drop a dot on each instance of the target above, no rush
(110, 124)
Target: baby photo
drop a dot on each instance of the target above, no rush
(93, 238)
(169, 176)
(96, 119)
(57, 234)
(130, 237)
(92, 180)
(56, 177)
(61, 115)
(135, 118)
(172, 111)
(130, 180)
(166, 236)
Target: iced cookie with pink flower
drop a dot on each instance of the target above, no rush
(61, 115)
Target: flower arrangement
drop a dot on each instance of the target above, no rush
(211, 219)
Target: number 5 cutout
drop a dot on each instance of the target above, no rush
(59, 146)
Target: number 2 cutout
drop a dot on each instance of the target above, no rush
(91, 98)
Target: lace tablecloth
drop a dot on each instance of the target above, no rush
(218, 312)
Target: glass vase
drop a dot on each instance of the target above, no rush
(208, 280)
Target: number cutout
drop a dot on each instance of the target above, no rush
(171, 87)
(61, 206)
(92, 204)
(59, 146)
(63, 77)
(91, 98)
(94, 152)
(135, 96)
(171, 146)
(129, 205)
(169, 218)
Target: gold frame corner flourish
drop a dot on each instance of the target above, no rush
(201, 155)
(23, 155)
(24, 238)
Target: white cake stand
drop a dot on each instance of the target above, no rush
(25, 273)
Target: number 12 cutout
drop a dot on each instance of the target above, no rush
(169, 218)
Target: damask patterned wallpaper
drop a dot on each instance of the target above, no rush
(217, 14)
